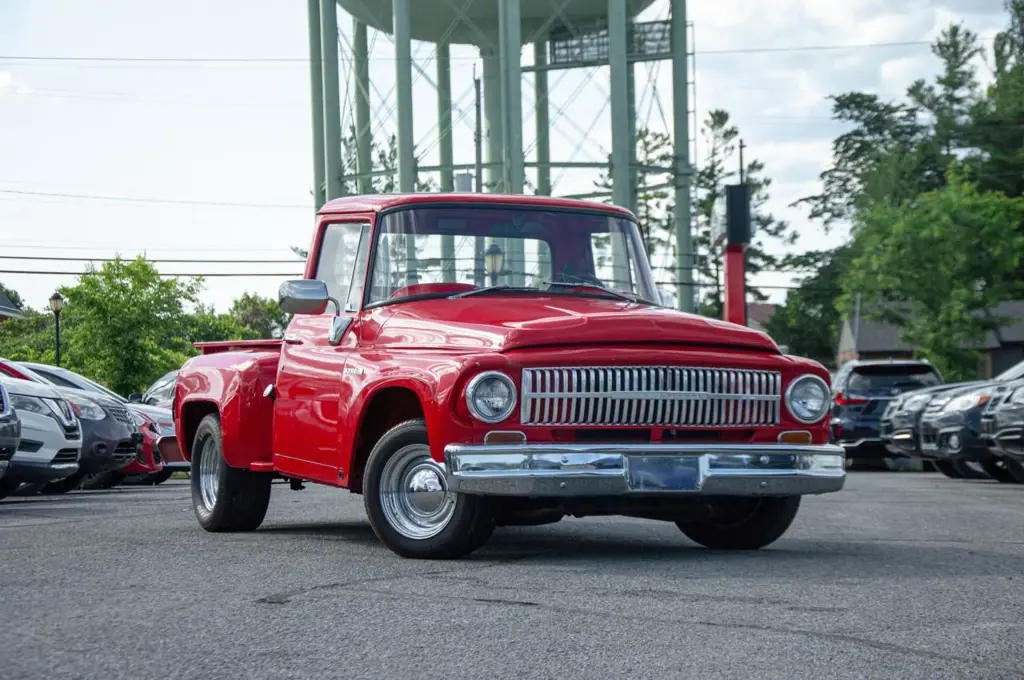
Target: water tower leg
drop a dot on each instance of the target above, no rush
(621, 166)
(444, 131)
(402, 28)
(492, 121)
(685, 260)
(631, 108)
(364, 135)
(510, 51)
(317, 104)
(540, 96)
(332, 99)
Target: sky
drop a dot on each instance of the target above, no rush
(206, 153)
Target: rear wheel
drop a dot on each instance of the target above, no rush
(408, 503)
(100, 481)
(744, 524)
(998, 470)
(225, 498)
(947, 468)
(62, 486)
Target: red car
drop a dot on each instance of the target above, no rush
(476, 360)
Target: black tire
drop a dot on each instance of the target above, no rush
(947, 468)
(242, 495)
(7, 488)
(471, 522)
(101, 481)
(1016, 469)
(971, 470)
(755, 527)
(160, 477)
(998, 470)
(63, 486)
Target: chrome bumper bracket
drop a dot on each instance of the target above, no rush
(572, 470)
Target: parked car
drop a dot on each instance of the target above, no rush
(950, 427)
(861, 392)
(10, 431)
(1002, 423)
(110, 437)
(159, 456)
(552, 384)
(51, 436)
(159, 393)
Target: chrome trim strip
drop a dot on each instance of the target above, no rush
(862, 440)
(566, 470)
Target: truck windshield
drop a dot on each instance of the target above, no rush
(442, 251)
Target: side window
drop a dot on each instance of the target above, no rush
(342, 262)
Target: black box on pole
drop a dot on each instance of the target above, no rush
(738, 218)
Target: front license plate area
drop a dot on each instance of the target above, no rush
(663, 473)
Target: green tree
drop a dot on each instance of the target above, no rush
(937, 267)
(204, 324)
(809, 321)
(126, 325)
(259, 314)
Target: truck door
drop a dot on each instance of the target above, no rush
(309, 380)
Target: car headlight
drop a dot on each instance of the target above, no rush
(491, 397)
(87, 410)
(137, 419)
(30, 405)
(966, 402)
(808, 398)
(916, 403)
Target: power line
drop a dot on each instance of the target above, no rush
(190, 274)
(160, 261)
(172, 201)
(305, 60)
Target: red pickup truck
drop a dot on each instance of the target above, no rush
(466, 361)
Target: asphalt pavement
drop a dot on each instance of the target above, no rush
(900, 575)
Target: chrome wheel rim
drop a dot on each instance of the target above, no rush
(414, 494)
(209, 473)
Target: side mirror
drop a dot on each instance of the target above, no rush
(303, 296)
(135, 398)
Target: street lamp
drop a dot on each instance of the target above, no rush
(494, 262)
(57, 304)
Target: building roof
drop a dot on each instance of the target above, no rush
(875, 337)
(759, 314)
(7, 309)
(378, 202)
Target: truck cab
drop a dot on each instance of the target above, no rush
(467, 361)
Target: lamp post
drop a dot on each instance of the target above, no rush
(57, 304)
(494, 261)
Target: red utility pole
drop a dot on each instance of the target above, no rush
(738, 228)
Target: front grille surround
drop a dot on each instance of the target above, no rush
(653, 396)
(121, 414)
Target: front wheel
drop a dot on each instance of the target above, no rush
(408, 503)
(225, 498)
(744, 524)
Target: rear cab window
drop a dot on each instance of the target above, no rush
(886, 379)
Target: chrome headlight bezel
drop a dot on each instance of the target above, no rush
(474, 385)
(826, 398)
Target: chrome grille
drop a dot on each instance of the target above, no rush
(659, 396)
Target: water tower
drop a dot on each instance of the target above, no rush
(564, 34)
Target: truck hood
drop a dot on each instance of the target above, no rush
(505, 322)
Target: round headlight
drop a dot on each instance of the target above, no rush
(808, 399)
(491, 397)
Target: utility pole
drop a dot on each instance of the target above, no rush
(743, 167)
(479, 134)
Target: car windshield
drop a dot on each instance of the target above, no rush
(439, 251)
(891, 379)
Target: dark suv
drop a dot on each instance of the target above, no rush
(861, 392)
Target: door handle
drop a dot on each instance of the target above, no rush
(292, 340)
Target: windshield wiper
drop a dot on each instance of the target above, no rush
(492, 289)
(583, 284)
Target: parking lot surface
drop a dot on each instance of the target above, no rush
(900, 575)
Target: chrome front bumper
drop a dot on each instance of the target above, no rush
(568, 470)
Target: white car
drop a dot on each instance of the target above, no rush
(51, 436)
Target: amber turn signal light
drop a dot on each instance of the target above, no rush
(504, 437)
(795, 437)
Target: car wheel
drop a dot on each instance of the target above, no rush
(1015, 469)
(998, 470)
(225, 498)
(744, 524)
(101, 481)
(62, 486)
(406, 496)
(947, 468)
(7, 488)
